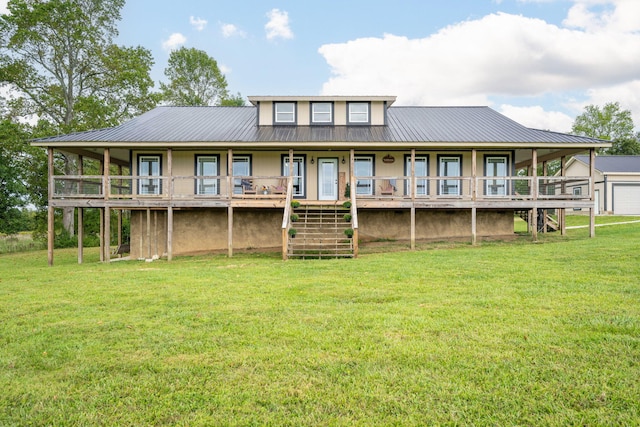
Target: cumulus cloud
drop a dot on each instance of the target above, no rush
(278, 25)
(198, 23)
(537, 118)
(498, 55)
(230, 30)
(174, 41)
(3, 6)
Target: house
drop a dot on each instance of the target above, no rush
(617, 182)
(201, 179)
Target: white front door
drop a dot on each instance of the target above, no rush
(327, 179)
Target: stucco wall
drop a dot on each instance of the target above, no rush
(205, 230)
(432, 224)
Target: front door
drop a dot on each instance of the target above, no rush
(327, 179)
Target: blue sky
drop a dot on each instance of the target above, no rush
(537, 61)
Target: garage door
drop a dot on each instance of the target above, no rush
(626, 199)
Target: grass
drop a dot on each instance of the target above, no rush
(498, 334)
(19, 243)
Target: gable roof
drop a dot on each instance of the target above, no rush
(614, 164)
(183, 125)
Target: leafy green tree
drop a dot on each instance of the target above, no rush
(195, 79)
(59, 58)
(610, 123)
(12, 189)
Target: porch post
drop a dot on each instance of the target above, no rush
(169, 233)
(80, 217)
(412, 193)
(107, 212)
(352, 163)
(148, 233)
(50, 209)
(107, 234)
(229, 207)
(562, 213)
(119, 212)
(170, 207)
(544, 211)
(534, 191)
(592, 191)
(474, 210)
(101, 210)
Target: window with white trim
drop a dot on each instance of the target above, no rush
(321, 112)
(298, 174)
(421, 171)
(363, 166)
(450, 166)
(242, 169)
(207, 167)
(358, 112)
(149, 166)
(285, 112)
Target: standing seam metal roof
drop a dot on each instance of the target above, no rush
(239, 124)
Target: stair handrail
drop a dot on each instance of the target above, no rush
(286, 219)
(354, 216)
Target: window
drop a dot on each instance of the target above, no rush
(358, 112)
(242, 169)
(285, 112)
(577, 191)
(299, 183)
(495, 166)
(149, 166)
(449, 166)
(363, 166)
(321, 112)
(206, 166)
(421, 170)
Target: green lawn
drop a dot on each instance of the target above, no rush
(497, 334)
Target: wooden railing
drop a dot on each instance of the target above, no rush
(362, 187)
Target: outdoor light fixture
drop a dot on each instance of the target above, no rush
(312, 161)
(343, 161)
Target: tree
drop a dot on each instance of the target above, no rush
(59, 58)
(610, 123)
(13, 192)
(195, 79)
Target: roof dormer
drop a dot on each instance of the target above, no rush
(322, 110)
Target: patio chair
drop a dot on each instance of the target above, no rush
(247, 187)
(386, 188)
(281, 188)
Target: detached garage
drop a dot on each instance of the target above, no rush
(617, 183)
(626, 199)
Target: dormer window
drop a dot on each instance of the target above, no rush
(285, 113)
(358, 112)
(321, 112)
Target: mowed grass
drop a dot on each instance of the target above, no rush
(498, 334)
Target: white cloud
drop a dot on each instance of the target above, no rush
(230, 30)
(224, 69)
(537, 118)
(174, 41)
(198, 23)
(278, 25)
(3, 6)
(627, 94)
(498, 56)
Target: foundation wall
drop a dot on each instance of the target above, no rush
(206, 230)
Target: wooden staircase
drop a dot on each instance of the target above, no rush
(550, 222)
(320, 233)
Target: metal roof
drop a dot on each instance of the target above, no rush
(432, 125)
(614, 164)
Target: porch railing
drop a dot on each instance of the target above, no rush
(364, 187)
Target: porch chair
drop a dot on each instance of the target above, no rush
(386, 188)
(281, 188)
(247, 187)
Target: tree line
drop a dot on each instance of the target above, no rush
(66, 74)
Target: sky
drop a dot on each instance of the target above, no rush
(539, 62)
